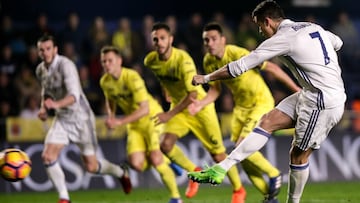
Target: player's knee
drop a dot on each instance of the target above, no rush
(48, 158)
(91, 167)
(168, 143)
(138, 166)
(166, 147)
(298, 156)
(156, 160)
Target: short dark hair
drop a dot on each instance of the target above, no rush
(213, 26)
(109, 48)
(161, 25)
(268, 8)
(47, 37)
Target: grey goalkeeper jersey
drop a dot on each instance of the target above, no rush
(62, 79)
(309, 52)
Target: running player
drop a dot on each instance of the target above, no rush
(125, 88)
(74, 120)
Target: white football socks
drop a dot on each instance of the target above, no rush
(106, 167)
(57, 177)
(298, 176)
(252, 143)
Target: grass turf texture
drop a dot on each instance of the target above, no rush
(327, 192)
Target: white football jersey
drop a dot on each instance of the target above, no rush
(309, 52)
(60, 80)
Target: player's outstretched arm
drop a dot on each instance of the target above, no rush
(220, 74)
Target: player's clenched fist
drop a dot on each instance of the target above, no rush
(199, 79)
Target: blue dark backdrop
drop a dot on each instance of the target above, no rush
(113, 9)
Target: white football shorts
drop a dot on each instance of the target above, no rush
(81, 132)
(312, 124)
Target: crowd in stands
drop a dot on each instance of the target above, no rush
(20, 90)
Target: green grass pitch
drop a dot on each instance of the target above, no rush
(326, 192)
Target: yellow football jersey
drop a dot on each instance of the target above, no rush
(249, 89)
(127, 91)
(175, 74)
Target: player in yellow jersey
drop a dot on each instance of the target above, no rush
(252, 99)
(175, 68)
(125, 88)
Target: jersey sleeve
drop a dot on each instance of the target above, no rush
(274, 46)
(189, 70)
(335, 40)
(39, 72)
(137, 85)
(71, 80)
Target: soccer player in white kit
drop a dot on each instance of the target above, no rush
(74, 120)
(309, 52)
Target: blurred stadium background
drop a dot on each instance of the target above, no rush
(23, 21)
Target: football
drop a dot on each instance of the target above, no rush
(15, 164)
